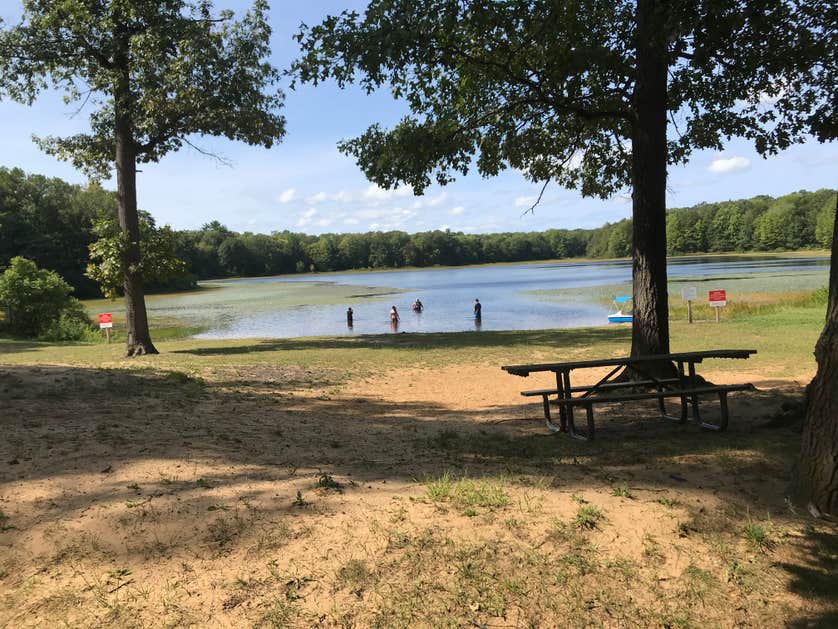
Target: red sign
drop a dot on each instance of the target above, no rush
(718, 298)
(105, 320)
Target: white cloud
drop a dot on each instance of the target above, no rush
(456, 211)
(525, 201)
(426, 202)
(318, 197)
(287, 195)
(322, 197)
(379, 195)
(729, 165)
(305, 217)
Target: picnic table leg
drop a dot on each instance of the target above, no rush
(568, 419)
(587, 435)
(662, 403)
(694, 398)
(545, 397)
(562, 394)
(722, 425)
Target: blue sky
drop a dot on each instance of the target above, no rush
(305, 184)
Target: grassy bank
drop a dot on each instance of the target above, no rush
(783, 331)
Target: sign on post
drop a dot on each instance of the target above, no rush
(717, 298)
(106, 323)
(689, 294)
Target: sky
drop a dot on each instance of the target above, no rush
(305, 184)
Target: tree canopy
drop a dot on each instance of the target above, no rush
(548, 88)
(188, 72)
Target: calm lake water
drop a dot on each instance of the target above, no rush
(514, 297)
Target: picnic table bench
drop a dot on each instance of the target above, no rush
(632, 372)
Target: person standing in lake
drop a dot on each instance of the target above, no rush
(349, 317)
(394, 318)
(478, 310)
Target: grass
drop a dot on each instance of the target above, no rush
(467, 493)
(588, 517)
(757, 535)
(622, 491)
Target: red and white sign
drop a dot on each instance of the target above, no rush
(718, 298)
(105, 320)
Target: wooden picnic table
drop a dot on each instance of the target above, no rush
(632, 372)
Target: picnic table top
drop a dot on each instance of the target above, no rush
(690, 357)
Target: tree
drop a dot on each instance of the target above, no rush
(155, 72)
(35, 299)
(817, 479)
(579, 93)
(158, 261)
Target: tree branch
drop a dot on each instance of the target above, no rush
(531, 209)
(221, 160)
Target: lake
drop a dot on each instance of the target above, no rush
(514, 297)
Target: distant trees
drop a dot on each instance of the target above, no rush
(53, 223)
(49, 221)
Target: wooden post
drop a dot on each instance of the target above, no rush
(108, 334)
(717, 314)
(689, 311)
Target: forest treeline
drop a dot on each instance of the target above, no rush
(51, 222)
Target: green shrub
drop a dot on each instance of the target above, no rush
(37, 303)
(72, 325)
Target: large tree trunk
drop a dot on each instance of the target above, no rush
(817, 482)
(138, 339)
(650, 327)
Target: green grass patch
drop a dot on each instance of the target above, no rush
(588, 517)
(467, 493)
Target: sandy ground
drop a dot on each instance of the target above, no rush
(275, 497)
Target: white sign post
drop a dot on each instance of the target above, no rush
(689, 294)
(717, 299)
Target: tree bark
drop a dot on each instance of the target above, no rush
(138, 338)
(650, 326)
(817, 482)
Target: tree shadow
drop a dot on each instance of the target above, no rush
(815, 575)
(15, 346)
(430, 340)
(116, 417)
